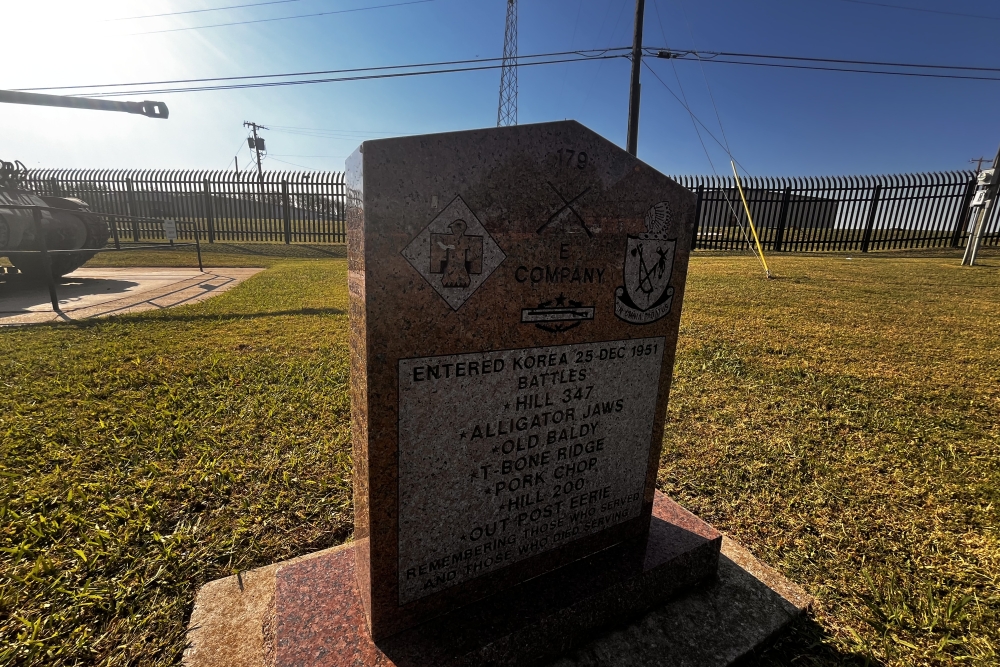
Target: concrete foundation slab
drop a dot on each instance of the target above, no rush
(272, 617)
(87, 293)
(747, 606)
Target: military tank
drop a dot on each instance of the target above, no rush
(68, 224)
(71, 225)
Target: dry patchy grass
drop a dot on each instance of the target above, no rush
(142, 456)
(843, 422)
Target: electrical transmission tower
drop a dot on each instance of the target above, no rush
(507, 112)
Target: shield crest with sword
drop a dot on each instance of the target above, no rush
(647, 295)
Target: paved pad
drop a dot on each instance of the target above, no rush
(87, 293)
(746, 606)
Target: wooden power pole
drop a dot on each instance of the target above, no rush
(632, 144)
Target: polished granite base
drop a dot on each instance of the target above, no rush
(306, 612)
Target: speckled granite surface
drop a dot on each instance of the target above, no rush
(515, 297)
(319, 621)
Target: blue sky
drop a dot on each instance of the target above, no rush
(778, 122)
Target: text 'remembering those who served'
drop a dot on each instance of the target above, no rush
(507, 454)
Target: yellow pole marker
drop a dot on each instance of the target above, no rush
(753, 229)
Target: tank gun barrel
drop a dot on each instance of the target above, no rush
(145, 108)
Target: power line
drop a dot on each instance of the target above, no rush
(282, 18)
(697, 132)
(243, 142)
(680, 54)
(539, 59)
(199, 11)
(688, 109)
(921, 9)
(709, 55)
(708, 87)
(332, 129)
(572, 41)
(926, 75)
(367, 77)
(348, 137)
(703, 56)
(614, 31)
(301, 166)
(337, 136)
(694, 124)
(732, 159)
(583, 53)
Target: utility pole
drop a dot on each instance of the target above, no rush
(979, 163)
(984, 199)
(257, 145)
(633, 94)
(507, 110)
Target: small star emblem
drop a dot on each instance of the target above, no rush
(496, 449)
(462, 435)
(561, 300)
(506, 406)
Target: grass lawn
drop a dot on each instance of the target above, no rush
(842, 421)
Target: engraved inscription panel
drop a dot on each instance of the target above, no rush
(506, 454)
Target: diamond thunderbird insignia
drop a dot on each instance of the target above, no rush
(454, 253)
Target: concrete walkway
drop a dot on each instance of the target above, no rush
(87, 293)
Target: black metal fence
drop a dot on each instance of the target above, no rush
(290, 207)
(847, 213)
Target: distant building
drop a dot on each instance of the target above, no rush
(804, 212)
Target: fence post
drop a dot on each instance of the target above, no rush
(131, 208)
(43, 247)
(872, 209)
(197, 246)
(963, 214)
(208, 212)
(55, 188)
(284, 210)
(113, 224)
(779, 234)
(697, 216)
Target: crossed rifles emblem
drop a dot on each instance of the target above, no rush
(567, 206)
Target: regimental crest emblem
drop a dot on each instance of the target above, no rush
(647, 295)
(454, 253)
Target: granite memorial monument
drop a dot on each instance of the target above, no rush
(515, 295)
